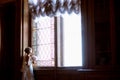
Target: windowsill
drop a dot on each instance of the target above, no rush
(85, 70)
(79, 69)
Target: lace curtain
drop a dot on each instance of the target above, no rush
(53, 7)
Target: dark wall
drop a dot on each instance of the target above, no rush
(117, 24)
(102, 32)
(7, 51)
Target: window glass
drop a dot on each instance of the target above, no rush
(72, 44)
(68, 40)
(43, 41)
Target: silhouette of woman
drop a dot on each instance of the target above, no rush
(27, 67)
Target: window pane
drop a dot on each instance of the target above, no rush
(43, 41)
(68, 41)
(72, 44)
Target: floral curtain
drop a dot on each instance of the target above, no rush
(53, 7)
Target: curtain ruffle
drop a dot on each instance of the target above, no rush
(53, 7)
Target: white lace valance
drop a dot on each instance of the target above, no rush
(53, 7)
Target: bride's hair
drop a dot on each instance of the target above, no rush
(28, 50)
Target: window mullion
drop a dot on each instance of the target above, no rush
(59, 37)
(56, 45)
(61, 41)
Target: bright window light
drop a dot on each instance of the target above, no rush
(72, 40)
(69, 40)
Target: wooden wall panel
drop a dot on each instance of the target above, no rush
(5, 1)
(75, 75)
(7, 44)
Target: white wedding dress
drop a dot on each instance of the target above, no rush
(27, 70)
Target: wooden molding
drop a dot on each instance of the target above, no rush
(5, 1)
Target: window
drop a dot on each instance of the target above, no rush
(57, 41)
(43, 41)
(56, 59)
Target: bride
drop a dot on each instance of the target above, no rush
(27, 67)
